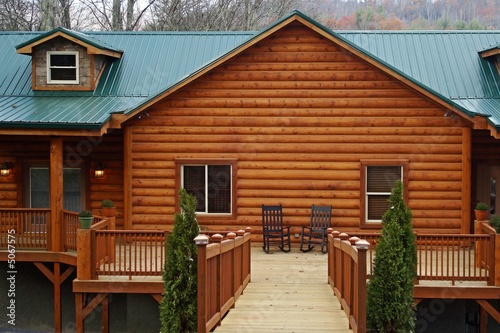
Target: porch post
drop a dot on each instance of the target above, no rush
(56, 194)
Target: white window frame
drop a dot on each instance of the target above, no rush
(207, 190)
(50, 67)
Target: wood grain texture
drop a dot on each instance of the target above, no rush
(299, 113)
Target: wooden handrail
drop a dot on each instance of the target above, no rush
(488, 254)
(223, 274)
(347, 276)
(30, 226)
(457, 257)
(445, 257)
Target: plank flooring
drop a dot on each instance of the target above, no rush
(288, 293)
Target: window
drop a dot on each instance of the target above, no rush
(39, 195)
(378, 178)
(212, 184)
(62, 67)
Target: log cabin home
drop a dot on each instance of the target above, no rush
(294, 114)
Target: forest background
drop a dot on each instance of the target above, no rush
(245, 15)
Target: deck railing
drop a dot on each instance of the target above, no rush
(30, 226)
(443, 257)
(347, 276)
(223, 273)
(487, 255)
(130, 253)
(70, 225)
(440, 257)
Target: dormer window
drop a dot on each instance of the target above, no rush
(62, 67)
(63, 59)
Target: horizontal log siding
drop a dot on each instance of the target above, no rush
(17, 149)
(77, 152)
(109, 151)
(299, 113)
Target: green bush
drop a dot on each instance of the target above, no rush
(390, 305)
(495, 223)
(178, 308)
(482, 206)
(85, 213)
(107, 203)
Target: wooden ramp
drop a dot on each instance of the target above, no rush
(288, 293)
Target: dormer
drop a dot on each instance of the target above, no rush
(63, 59)
(492, 55)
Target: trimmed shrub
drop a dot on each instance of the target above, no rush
(390, 305)
(178, 308)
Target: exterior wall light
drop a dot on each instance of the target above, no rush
(99, 171)
(5, 168)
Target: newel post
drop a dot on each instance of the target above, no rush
(362, 246)
(83, 254)
(202, 242)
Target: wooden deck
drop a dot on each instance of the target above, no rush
(289, 292)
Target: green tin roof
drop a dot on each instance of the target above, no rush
(150, 62)
(88, 39)
(445, 63)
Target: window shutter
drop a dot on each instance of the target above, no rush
(379, 183)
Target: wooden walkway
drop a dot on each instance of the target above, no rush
(288, 293)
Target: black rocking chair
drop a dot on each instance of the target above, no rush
(273, 231)
(316, 233)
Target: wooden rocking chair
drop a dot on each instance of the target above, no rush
(316, 233)
(273, 231)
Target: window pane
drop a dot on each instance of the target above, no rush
(72, 190)
(377, 206)
(219, 189)
(40, 188)
(194, 184)
(382, 178)
(66, 74)
(40, 185)
(63, 60)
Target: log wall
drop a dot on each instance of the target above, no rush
(300, 113)
(83, 152)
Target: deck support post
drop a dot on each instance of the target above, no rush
(57, 279)
(82, 310)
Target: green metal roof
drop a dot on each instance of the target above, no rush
(446, 63)
(75, 34)
(150, 62)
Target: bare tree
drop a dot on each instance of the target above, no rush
(18, 15)
(118, 14)
(221, 15)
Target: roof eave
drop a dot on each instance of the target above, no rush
(323, 30)
(92, 48)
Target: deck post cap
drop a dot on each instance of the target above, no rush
(201, 239)
(362, 244)
(343, 236)
(217, 238)
(353, 240)
(335, 233)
